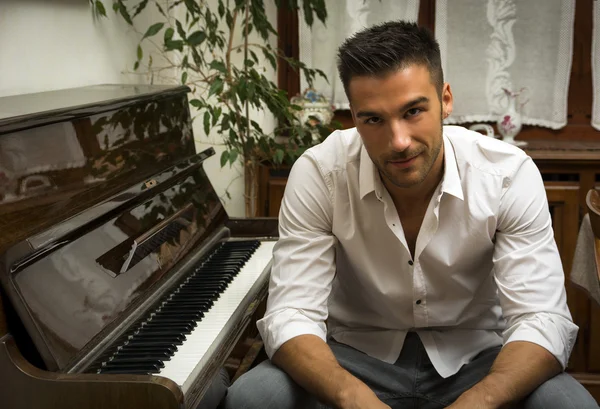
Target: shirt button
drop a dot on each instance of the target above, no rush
(418, 302)
(410, 262)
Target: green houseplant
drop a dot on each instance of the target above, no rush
(197, 39)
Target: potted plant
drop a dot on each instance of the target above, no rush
(196, 38)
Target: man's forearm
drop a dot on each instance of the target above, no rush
(518, 370)
(312, 365)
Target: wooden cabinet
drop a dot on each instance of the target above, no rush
(271, 186)
(569, 170)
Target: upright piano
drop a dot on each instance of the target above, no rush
(123, 281)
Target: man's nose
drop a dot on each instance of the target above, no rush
(401, 139)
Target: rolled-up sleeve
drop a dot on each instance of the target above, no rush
(527, 267)
(303, 258)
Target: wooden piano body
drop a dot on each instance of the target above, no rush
(107, 222)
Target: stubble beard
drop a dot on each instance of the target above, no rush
(423, 171)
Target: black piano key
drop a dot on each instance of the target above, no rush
(160, 333)
(183, 308)
(173, 326)
(127, 371)
(203, 285)
(141, 366)
(171, 320)
(135, 360)
(170, 349)
(189, 315)
(214, 273)
(201, 305)
(196, 296)
(226, 259)
(206, 292)
(161, 355)
(151, 343)
(201, 279)
(171, 338)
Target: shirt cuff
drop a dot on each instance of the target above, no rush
(279, 327)
(550, 331)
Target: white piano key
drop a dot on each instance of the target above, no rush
(181, 365)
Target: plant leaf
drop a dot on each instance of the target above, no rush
(269, 56)
(216, 87)
(215, 115)
(174, 45)
(124, 13)
(100, 8)
(180, 29)
(233, 155)
(153, 29)
(224, 157)
(207, 122)
(196, 38)
(218, 65)
(184, 77)
(279, 156)
(141, 6)
(169, 34)
(140, 53)
(196, 103)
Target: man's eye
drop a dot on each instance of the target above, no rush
(373, 120)
(413, 112)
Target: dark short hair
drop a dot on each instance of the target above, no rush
(388, 47)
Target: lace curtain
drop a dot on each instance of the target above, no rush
(488, 45)
(318, 46)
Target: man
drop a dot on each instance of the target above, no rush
(416, 265)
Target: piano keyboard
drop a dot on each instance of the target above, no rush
(176, 335)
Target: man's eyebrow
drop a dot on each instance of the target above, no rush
(408, 105)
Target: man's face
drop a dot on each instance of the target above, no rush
(399, 117)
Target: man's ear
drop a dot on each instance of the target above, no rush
(447, 100)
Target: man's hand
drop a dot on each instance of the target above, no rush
(518, 370)
(361, 397)
(308, 360)
(472, 399)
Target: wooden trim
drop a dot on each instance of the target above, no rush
(288, 79)
(26, 386)
(427, 14)
(590, 381)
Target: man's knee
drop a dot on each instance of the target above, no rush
(560, 392)
(267, 387)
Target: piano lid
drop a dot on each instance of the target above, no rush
(84, 145)
(19, 111)
(96, 205)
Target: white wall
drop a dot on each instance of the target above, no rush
(48, 45)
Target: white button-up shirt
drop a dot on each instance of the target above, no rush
(486, 269)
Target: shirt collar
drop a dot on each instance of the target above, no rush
(368, 176)
(370, 181)
(451, 180)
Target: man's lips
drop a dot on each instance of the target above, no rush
(403, 163)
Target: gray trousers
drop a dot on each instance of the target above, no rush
(411, 382)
